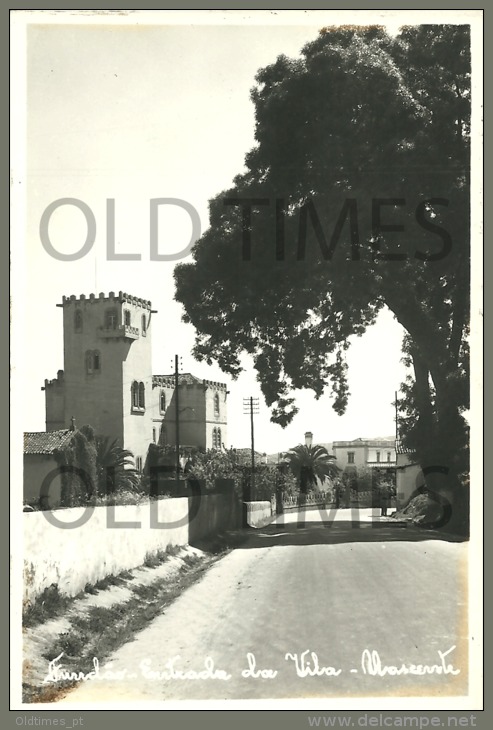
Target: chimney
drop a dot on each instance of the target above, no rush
(308, 438)
(72, 427)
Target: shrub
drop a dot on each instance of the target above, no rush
(78, 455)
(213, 465)
(49, 604)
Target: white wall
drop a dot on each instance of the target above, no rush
(258, 514)
(408, 478)
(70, 558)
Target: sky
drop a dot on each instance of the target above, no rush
(152, 107)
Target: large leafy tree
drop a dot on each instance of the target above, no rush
(310, 463)
(354, 198)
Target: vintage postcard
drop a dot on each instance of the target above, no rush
(246, 345)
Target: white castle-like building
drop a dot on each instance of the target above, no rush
(107, 380)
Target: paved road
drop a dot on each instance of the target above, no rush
(332, 610)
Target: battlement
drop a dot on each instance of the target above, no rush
(187, 379)
(215, 384)
(59, 381)
(112, 298)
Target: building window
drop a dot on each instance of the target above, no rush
(127, 318)
(144, 325)
(162, 402)
(216, 438)
(378, 455)
(350, 457)
(111, 319)
(138, 463)
(138, 396)
(216, 404)
(154, 435)
(93, 361)
(78, 320)
(389, 456)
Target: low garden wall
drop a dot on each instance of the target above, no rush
(257, 514)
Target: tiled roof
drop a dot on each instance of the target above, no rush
(244, 456)
(401, 449)
(41, 442)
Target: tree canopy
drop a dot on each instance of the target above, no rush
(355, 197)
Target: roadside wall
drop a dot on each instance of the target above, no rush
(71, 558)
(257, 514)
(112, 539)
(213, 514)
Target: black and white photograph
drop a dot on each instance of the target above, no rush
(246, 360)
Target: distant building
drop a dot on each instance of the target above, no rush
(107, 380)
(365, 453)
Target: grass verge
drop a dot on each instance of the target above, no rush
(99, 631)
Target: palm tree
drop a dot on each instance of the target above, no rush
(309, 462)
(115, 467)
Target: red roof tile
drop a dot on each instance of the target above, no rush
(41, 442)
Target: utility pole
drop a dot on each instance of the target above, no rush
(396, 421)
(177, 419)
(251, 406)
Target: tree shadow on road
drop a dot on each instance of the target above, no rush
(335, 532)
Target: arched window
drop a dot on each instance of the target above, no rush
(144, 325)
(135, 394)
(219, 439)
(93, 361)
(78, 320)
(138, 396)
(216, 404)
(214, 431)
(162, 402)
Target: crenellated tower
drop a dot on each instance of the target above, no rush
(107, 381)
(107, 373)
